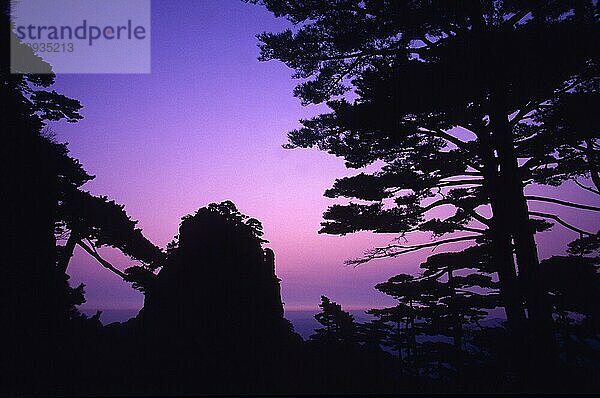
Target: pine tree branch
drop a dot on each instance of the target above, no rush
(478, 217)
(390, 251)
(460, 144)
(455, 183)
(448, 137)
(472, 173)
(592, 161)
(533, 105)
(67, 252)
(344, 73)
(92, 251)
(470, 229)
(560, 221)
(561, 202)
(367, 53)
(531, 163)
(472, 212)
(427, 41)
(590, 189)
(517, 18)
(437, 203)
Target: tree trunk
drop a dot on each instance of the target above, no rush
(543, 345)
(457, 330)
(500, 228)
(501, 240)
(592, 160)
(503, 259)
(67, 252)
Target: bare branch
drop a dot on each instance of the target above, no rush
(94, 253)
(454, 183)
(562, 202)
(479, 217)
(580, 185)
(471, 229)
(437, 203)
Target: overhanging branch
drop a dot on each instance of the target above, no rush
(397, 250)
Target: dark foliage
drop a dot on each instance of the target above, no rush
(509, 73)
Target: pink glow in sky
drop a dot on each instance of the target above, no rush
(207, 125)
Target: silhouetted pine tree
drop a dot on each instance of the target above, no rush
(91, 222)
(573, 284)
(37, 303)
(452, 295)
(338, 328)
(461, 102)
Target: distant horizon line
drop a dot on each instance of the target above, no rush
(291, 308)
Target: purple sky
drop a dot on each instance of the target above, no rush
(207, 125)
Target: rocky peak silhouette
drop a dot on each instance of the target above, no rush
(218, 291)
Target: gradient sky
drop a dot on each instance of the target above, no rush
(207, 125)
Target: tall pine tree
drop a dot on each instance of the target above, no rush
(460, 102)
